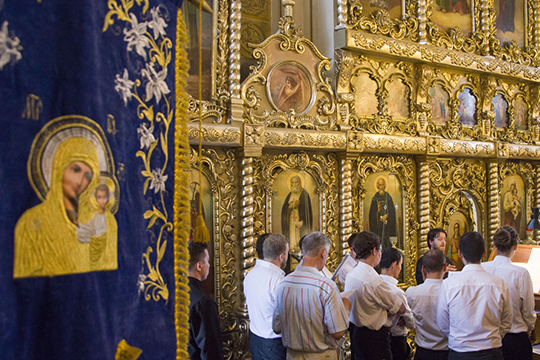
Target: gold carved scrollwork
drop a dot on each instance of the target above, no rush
(289, 48)
(323, 170)
(405, 170)
(454, 184)
(211, 134)
(379, 22)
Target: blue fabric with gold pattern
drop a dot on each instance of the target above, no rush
(86, 167)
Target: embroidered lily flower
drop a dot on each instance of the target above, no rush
(157, 24)
(9, 47)
(146, 136)
(140, 283)
(158, 182)
(135, 36)
(123, 86)
(156, 84)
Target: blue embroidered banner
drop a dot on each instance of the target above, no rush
(86, 166)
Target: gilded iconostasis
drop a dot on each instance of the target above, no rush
(426, 115)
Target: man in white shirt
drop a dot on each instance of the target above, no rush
(474, 309)
(348, 263)
(373, 301)
(391, 263)
(516, 344)
(431, 343)
(310, 313)
(260, 287)
(436, 239)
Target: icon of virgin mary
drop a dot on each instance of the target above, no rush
(48, 237)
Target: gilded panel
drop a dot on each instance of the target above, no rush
(216, 72)
(382, 92)
(220, 206)
(278, 177)
(384, 202)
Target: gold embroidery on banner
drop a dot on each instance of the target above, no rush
(111, 125)
(124, 351)
(33, 108)
(158, 56)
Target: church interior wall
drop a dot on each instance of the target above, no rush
(448, 115)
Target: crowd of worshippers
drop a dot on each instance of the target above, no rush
(485, 311)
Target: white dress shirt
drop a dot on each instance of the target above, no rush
(474, 310)
(260, 287)
(407, 316)
(520, 286)
(423, 301)
(373, 297)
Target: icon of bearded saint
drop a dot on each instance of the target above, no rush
(291, 95)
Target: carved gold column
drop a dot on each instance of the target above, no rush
(342, 14)
(234, 49)
(493, 198)
(535, 18)
(246, 211)
(423, 202)
(346, 205)
(422, 21)
(486, 28)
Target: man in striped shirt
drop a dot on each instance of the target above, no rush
(310, 314)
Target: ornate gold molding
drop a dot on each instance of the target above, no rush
(215, 135)
(457, 184)
(353, 39)
(305, 139)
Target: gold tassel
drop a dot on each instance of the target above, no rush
(201, 232)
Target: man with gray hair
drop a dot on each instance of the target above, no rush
(260, 287)
(310, 314)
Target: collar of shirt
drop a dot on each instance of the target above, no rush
(390, 279)
(473, 267)
(366, 267)
(502, 259)
(432, 281)
(308, 269)
(269, 265)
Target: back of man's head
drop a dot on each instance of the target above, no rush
(196, 253)
(433, 261)
(274, 245)
(365, 242)
(388, 257)
(352, 239)
(259, 245)
(313, 243)
(472, 247)
(432, 234)
(505, 239)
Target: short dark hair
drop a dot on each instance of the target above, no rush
(365, 242)
(389, 256)
(259, 245)
(314, 242)
(275, 245)
(472, 246)
(196, 253)
(432, 234)
(433, 260)
(352, 239)
(505, 238)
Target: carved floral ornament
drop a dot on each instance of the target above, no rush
(420, 21)
(289, 87)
